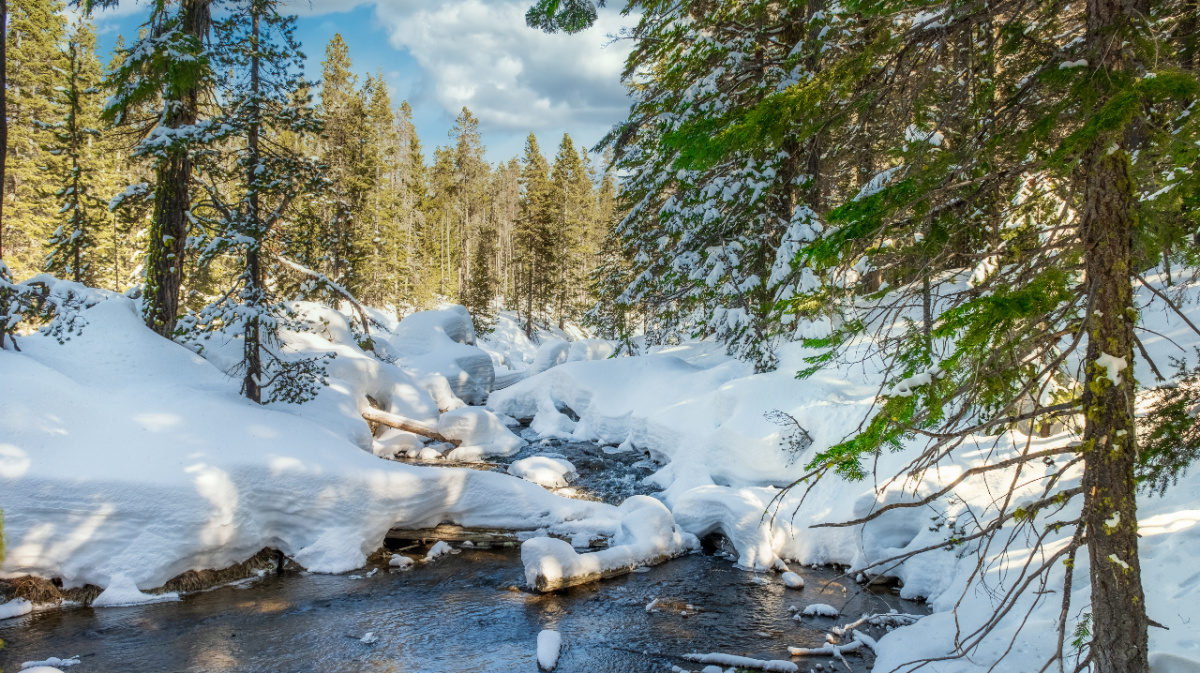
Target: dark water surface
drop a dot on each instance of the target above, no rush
(457, 613)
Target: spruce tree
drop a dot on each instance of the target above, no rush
(75, 141)
(248, 198)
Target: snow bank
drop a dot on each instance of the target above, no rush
(15, 608)
(700, 415)
(53, 663)
(647, 535)
(779, 665)
(126, 455)
(544, 471)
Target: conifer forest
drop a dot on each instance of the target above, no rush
(866, 336)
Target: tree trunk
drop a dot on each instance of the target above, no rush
(3, 125)
(1119, 622)
(172, 201)
(252, 355)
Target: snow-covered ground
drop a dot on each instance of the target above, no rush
(126, 459)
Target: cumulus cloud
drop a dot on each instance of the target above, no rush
(480, 54)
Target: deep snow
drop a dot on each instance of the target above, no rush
(126, 459)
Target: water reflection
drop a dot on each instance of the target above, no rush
(458, 613)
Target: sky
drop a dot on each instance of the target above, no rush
(441, 55)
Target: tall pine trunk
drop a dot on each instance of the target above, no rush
(252, 355)
(1119, 621)
(172, 200)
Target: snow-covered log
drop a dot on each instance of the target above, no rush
(406, 424)
(826, 650)
(720, 659)
(647, 536)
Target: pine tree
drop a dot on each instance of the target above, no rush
(75, 142)
(535, 249)
(352, 169)
(248, 199)
(167, 70)
(471, 173)
(36, 33)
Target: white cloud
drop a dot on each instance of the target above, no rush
(480, 54)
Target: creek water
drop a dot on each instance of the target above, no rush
(463, 612)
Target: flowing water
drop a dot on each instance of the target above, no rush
(463, 612)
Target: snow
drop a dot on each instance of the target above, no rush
(544, 471)
(15, 608)
(743, 662)
(481, 432)
(171, 470)
(647, 535)
(440, 548)
(400, 561)
(820, 610)
(122, 591)
(53, 663)
(549, 644)
(792, 581)
(1113, 365)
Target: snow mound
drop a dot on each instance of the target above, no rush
(792, 581)
(820, 610)
(400, 561)
(647, 536)
(122, 591)
(171, 470)
(440, 548)
(15, 608)
(544, 471)
(442, 342)
(481, 432)
(549, 644)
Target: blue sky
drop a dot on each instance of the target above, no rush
(443, 54)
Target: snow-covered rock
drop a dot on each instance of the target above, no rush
(439, 548)
(549, 644)
(792, 581)
(544, 471)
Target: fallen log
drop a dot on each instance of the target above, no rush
(407, 424)
(454, 533)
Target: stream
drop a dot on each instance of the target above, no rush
(462, 612)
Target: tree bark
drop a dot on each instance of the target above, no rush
(172, 201)
(1119, 622)
(252, 355)
(406, 424)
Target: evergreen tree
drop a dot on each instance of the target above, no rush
(248, 199)
(166, 71)
(36, 33)
(352, 163)
(470, 194)
(982, 215)
(536, 252)
(75, 142)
